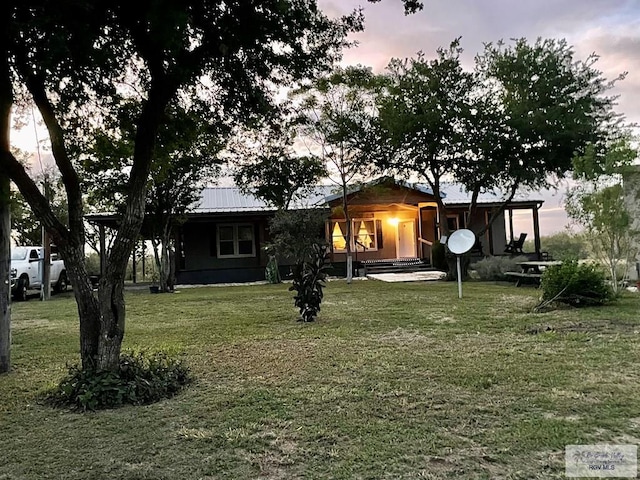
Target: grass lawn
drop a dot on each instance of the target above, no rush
(393, 381)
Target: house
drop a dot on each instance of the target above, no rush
(631, 183)
(223, 237)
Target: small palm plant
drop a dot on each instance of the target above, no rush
(309, 279)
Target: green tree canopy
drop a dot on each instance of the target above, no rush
(228, 56)
(514, 122)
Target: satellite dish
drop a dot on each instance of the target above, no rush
(461, 241)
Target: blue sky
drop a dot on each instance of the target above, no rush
(609, 28)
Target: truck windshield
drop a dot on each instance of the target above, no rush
(19, 253)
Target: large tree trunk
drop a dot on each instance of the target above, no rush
(5, 284)
(102, 318)
(88, 308)
(6, 101)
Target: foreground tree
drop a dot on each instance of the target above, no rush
(6, 102)
(25, 226)
(185, 159)
(78, 74)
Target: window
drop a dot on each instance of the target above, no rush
(236, 241)
(339, 236)
(452, 222)
(364, 235)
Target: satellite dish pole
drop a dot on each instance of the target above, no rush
(459, 243)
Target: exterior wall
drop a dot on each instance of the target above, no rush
(201, 263)
(632, 202)
(429, 233)
(384, 214)
(498, 235)
(493, 242)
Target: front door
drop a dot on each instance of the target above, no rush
(406, 239)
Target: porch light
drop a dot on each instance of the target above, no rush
(394, 221)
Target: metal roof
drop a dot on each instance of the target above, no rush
(455, 194)
(231, 199)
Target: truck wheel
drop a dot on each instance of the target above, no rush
(20, 294)
(62, 284)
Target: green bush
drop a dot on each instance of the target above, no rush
(439, 256)
(494, 268)
(141, 379)
(576, 284)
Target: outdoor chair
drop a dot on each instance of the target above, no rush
(515, 246)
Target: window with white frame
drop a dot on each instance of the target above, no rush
(364, 235)
(236, 240)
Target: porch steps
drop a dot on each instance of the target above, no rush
(396, 265)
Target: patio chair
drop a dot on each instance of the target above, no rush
(515, 246)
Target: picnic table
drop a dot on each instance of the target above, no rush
(531, 270)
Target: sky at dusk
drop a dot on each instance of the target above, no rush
(610, 28)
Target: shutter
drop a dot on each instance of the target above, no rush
(379, 241)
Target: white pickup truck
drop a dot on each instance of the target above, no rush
(26, 271)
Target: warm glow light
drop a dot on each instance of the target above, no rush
(339, 243)
(394, 221)
(363, 236)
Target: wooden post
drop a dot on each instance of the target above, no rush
(45, 263)
(511, 225)
(536, 231)
(489, 232)
(103, 248)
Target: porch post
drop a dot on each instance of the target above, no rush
(420, 231)
(489, 232)
(511, 224)
(536, 231)
(103, 248)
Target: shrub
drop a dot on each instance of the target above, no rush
(494, 268)
(141, 379)
(576, 284)
(309, 279)
(439, 256)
